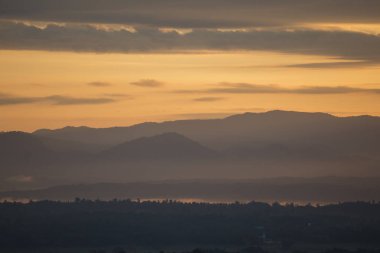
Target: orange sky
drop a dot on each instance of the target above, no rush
(113, 63)
(184, 81)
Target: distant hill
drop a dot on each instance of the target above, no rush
(18, 149)
(23, 143)
(250, 145)
(28, 160)
(295, 128)
(167, 146)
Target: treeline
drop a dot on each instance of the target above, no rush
(245, 250)
(85, 223)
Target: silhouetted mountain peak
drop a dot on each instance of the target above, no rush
(167, 145)
(299, 114)
(66, 129)
(280, 114)
(275, 143)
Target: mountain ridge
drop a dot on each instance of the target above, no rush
(275, 143)
(38, 131)
(159, 147)
(210, 132)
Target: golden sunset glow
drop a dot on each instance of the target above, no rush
(184, 78)
(121, 63)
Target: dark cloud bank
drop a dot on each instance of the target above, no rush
(273, 17)
(193, 14)
(84, 38)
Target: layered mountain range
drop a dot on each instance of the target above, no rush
(250, 145)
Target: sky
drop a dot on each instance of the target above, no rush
(103, 63)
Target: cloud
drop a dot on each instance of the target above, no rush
(195, 13)
(246, 88)
(99, 84)
(13, 100)
(338, 64)
(334, 90)
(6, 99)
(118, 95)
(82, 38)
(216, 115)
(208, 99)
(148, 83)
(64, 100)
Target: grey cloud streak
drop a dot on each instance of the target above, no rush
(7, 99)
(99, 84)
(339, 44)
(64, 100)
(208, 99)
(195, 13)
(246, 88)
(147, 83)
(341, 64)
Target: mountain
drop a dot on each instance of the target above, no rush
(274, 127)
(22, 149)
(19, 141)
(250, 145)
(27, 160)
(296, 141)
(167, 146)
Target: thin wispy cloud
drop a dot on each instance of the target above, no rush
(216, 115)
(148, 83)
(64, 100)
(247, 88)
(99, 84)
(118, 95)
(208, 99)
(335, 65)
(7, 99)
